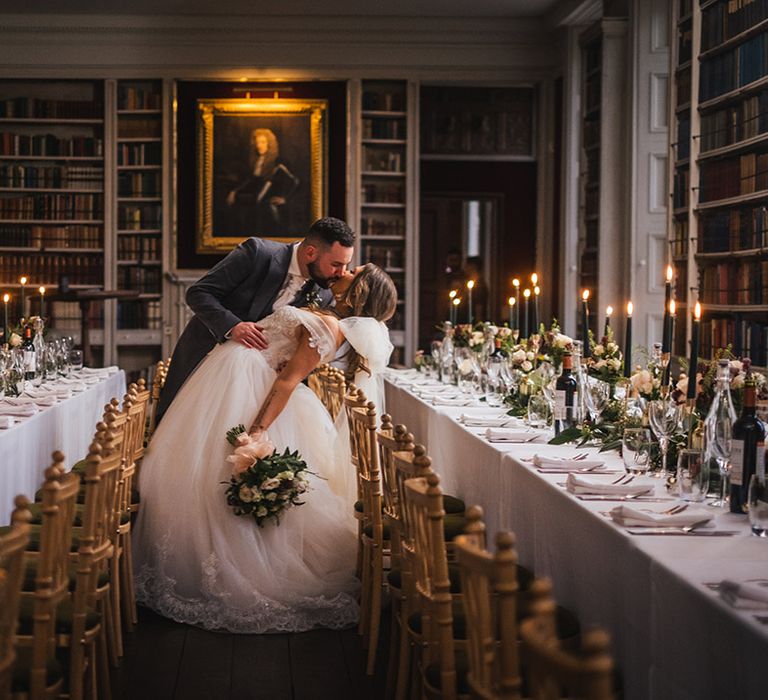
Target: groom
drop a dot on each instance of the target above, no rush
(255, 279)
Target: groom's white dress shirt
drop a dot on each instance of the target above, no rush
(293, 282)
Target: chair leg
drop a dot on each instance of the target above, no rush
(103, 685)
(374, 619)
(359, 561)
(394, 643)
(129, 592)
(403, 660)
(115, 595)
(108, 616)
(365, 594)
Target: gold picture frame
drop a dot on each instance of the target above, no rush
(261, 169)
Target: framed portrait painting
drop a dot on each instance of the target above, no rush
(261, 169)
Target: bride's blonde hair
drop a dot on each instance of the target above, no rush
(372, 293)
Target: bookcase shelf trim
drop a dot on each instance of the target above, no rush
(35, 120)
(52, 222)
(733, 94)
(57, 159)
(743, 198)
(60, 190)
(732, 148)
(734, 40)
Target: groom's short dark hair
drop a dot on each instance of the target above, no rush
(328, 231)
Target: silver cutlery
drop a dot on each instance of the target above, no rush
(685, 531)
(628, 497)
(624, 480)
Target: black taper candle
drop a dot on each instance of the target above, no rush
(628, 342)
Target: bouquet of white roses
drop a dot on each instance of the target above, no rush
(606, 360)
(264, 483)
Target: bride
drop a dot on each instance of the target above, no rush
(197, 562)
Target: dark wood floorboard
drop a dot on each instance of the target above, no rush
(165, 660)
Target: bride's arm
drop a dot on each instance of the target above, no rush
(304, 360)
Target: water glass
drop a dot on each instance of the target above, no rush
(76, 359)
(692, 475)
(539, 411)
(636, 450)
(758, 505)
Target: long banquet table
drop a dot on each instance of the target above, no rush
(68, 425)
(672, 635)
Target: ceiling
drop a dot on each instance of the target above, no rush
(383, 8)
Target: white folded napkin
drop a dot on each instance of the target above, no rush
(490, 421)
(26, 400)
(100, 370)
(745, 596)
(578, 483)
(6, 422)
(433, 391)
(560, 464)
(59, 392)
(20, 411)
(510, 435)
(451, 401)
(636, 516)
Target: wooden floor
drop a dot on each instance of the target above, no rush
(165, 660)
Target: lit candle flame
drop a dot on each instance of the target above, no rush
(457, 301)
(6, 298)
(534, 279)
(697, 311)
(527, 293)
(42, 290)
(608, 311)
(670, 272)
(515, 282)
(630, 308)
(23, 280)
(537, 290)
(585, 295)
(471, 284)
(452, 294)
(672, 307)
(511, 301)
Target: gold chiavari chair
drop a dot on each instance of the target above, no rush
(374, 543)
(158, 383)
(554, 672)
(12, 548)
(333, 387)
(353, 399)
(313, 381)
(489, 593)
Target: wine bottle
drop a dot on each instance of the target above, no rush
(565, 397)
(499, 351)
(747, 447)
(29, 354)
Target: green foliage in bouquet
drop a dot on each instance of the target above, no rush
(233, 433)
(606, 360)
(269, 486)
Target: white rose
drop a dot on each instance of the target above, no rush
(245, 494)
(598, 350)
(615, 364)
(640, 379)
(465, 367)
(682, 385)
(15, 340)
(518, 356)
(261, 512)
(530, 356)
(736, 366)
(562, 341)
(285, 476)
(505, 332)
(271, 496)
(477, 338)
(738, 381)
(599, 364)
(491, 329)
(527, 366)
(269, 484)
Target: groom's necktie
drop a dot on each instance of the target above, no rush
(301, 295)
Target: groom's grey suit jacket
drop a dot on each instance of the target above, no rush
(241, 287)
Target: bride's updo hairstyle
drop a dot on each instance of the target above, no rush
(372, 293)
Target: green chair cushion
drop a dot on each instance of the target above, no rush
(394, 578)
(30, 573)
(63, 617)
(20, 683)
(135, 495)
(34, 537)
(368, 530)
(434, 679)
(79, 467)
(358, 506)
(451, 505)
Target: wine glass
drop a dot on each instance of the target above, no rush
(692, 475)
(758, 505)
(664, 415)
(539, 411)
(636, 450)
(598, 395)
(76, 359)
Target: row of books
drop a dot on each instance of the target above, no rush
(734, 123)
(383, 159)
(681, 185)
(592, 233)
(727, 19)
(382, 226)
(741, 228)
(52, 206)
(743, 282)
(679, 242)
(386, 256)
(139, 314)
(72, 236)
(135, 217)
(131, 97)
(384, 101)
(47, 269)
(138, 184)
(375, 193)
(66, 316)
(384, 128)
(683, 87)
(683, 135)
(746, 338)
(594, 93)
(740, 66)
(139, 128)
(37, 108)
(732, 177)
(139, 247)
(14, 144)
(681, 277)
(146, 280)
(139, 154)
(591, 133)
(684, 42)
(51, 176)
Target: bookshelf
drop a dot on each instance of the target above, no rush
(81, 205)
(720, 194)
(386, 205)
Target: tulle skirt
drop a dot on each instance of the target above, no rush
(195, 561)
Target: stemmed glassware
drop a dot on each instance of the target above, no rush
(495, 382)
(718, 427)
(664, 415)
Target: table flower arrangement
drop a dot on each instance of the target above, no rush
(606, 359)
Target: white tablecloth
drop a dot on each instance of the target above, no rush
(69, 425)
(672, 636)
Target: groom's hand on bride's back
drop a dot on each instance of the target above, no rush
(249, 334)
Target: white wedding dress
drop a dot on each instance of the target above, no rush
(197, 562)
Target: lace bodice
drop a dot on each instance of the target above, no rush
(282, 331)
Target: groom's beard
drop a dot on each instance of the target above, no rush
(314, 273)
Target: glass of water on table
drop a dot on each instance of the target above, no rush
(636, 450)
